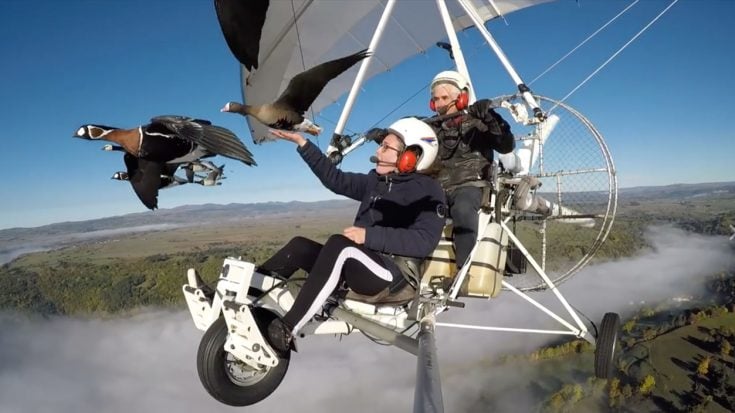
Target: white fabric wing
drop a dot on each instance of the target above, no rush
(329, 29)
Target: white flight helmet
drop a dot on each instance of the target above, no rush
(451, 77)
(415, 133)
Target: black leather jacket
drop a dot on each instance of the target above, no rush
(466, 153)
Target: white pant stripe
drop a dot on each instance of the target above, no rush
(349, 252)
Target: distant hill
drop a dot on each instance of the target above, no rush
(675, 192)
(207, 213)
(184, 215)
(15, 241)
(18, 241)
(679, 191)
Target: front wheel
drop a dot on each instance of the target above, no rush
(228, 379)
(606, 344)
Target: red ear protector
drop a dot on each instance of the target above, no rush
(462, 101)
(407, 161)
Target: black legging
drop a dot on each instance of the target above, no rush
(299, 253)
(338, 259)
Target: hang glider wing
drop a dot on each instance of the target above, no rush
(327, 29)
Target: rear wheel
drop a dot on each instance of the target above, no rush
(230, 380)
(606, 345)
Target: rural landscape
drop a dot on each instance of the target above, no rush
(674, 355)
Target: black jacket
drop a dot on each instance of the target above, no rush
(466, 153)
(403, 214)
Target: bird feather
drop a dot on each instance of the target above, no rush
(305, 87)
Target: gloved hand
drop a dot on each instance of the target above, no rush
(483, 111)
(376, 134)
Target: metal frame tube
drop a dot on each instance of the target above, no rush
(527, 96)
(508, 329)
(454, 290)
(472, 14)
(544, 233)
(356, 144)
(428, 391)
(548, 312)
(456, 48)
(545, 277)
(483, 222)
(391, 336)
(363, 67)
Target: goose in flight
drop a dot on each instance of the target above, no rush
(213, 177)
(287, 112)
(170, 138)
(147, 177)
(157, 149)
(191, 168)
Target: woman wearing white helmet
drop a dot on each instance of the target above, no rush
(418, 142)
(398, 223)
(465, 153)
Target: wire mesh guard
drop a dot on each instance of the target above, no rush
(576, 172)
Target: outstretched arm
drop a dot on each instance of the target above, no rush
(351, 185)
(289, 136)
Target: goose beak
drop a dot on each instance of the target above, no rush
(313, 130)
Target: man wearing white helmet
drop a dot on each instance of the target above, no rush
(399, 222)
(465, 153)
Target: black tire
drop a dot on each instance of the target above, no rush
(606, 344)
(215, 367)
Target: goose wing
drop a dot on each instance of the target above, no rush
(304, 88)
(242, 22)
(211, 137)
(170, 169)
(145, 177)
(189, 173)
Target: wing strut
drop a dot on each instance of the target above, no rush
(340, 145)
(522, 87)
(456, 48)
(363, 68)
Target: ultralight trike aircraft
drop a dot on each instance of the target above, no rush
(552, 203)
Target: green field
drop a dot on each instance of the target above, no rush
(146, 269)
(123, 272)
(249, 233)
(561, 378)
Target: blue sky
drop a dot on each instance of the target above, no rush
(663, 105)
